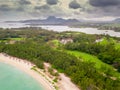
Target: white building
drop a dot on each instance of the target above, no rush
(65, 41)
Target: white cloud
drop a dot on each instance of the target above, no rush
(28, 9)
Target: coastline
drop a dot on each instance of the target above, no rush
(26, 66)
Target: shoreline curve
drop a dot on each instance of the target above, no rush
(26, 66)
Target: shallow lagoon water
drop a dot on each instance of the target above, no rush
(12, 78)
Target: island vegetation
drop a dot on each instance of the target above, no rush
(101, 26)
(91, 61)
(110, 26)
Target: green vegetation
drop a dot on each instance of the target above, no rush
(98, 63)
(84, 61)
(17, 39)
(106, 41)
(105, 50)
(87, 58)
(112, 26)
(54, 43)
(117, 46)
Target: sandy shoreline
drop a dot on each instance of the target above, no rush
(26, 67)
(42, 78)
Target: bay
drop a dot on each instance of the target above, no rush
(12, 78)
(62, 28)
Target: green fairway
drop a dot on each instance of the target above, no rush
(17, 39)
(117, 46)
(87, 57)
(107, 41)
(98, 63)
(56, 42)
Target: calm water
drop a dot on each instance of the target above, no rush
(84, 30)
(14, 79)
(63, 28)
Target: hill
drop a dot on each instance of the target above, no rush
(51, 20)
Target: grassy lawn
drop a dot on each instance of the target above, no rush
(98, 63)
(12, 39)
(17, 39)
(111, 40)
(2, 41)
(56, 42)
(106, 41)
(117, 46)
(90, 58)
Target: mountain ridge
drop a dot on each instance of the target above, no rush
(51, 20)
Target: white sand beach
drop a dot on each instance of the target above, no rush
(64, 84)
(26, 67)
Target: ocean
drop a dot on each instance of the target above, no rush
(11, 78)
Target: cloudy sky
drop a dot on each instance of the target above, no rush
(80, 9)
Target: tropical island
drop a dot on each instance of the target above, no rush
(90, 61)
(59, 44)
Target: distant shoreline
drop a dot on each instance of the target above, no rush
(26, 67)
(62, 28)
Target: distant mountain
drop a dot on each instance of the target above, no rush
(12, 21)
(51, 20)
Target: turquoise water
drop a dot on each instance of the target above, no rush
(12, 78)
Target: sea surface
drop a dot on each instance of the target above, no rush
(62, 28)
(84, 30)
(12, 78)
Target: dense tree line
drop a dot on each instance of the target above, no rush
(107, 52)
(31, 32)
(112, 26)
(36, 49)
(83, 74)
